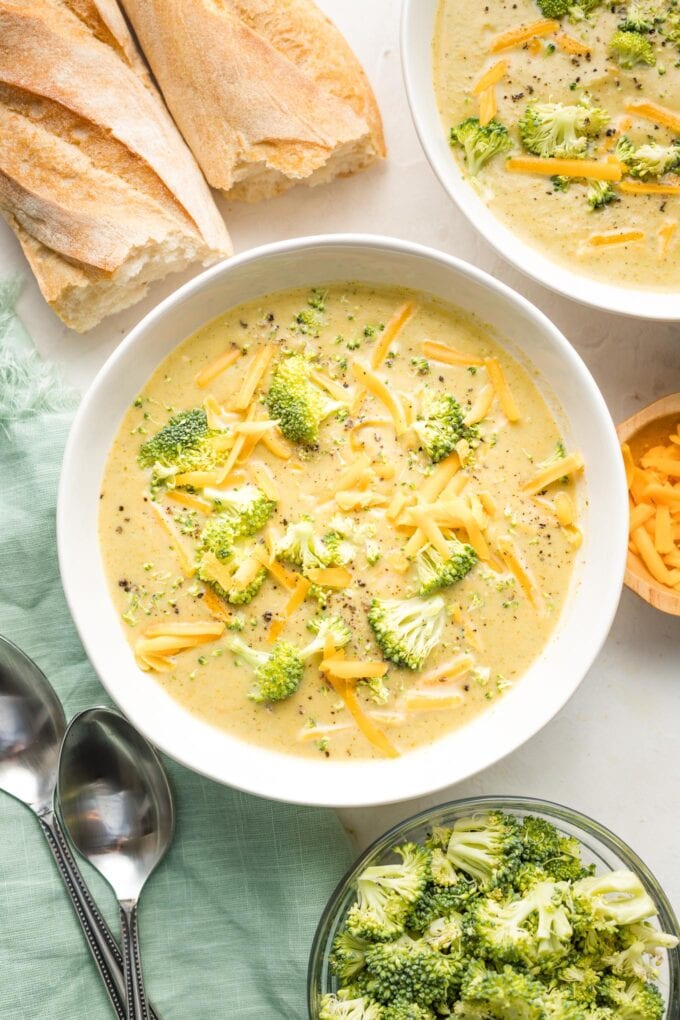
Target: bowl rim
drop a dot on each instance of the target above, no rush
(662, 306)
(513, 804)
(332, 791)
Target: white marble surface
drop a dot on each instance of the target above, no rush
(612, 752)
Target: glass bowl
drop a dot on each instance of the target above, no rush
(599, 846)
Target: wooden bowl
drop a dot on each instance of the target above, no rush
(641, 431)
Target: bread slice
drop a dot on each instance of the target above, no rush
(266, 92)
(95, 179)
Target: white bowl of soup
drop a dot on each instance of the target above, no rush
(539, 85)
(392, 547)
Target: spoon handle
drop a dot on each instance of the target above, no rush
(132, 962)
(101, 942)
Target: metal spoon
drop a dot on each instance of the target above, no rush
(117, 807)
(32, 724)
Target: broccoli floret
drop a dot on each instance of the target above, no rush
(641, 950)
(559, 856)
(650, 160)
(299, 405)
(218, 537)
(444, 933)
(438, 901)
(534, 931)
(502, 995)
(600, 194)
(630, 49)
(560, 182)
(434, 572)
(603, 902)
(322, 626)
(245, 509)
(480, 142)
(407, 1011)
(335, 1007)
(239, 557)
(181, 445)
(277, 674)
(348, 956)
(408, 971)
(636, 20)
(407, 629)
(554, 8)
(441, 868)
(440, 426)
(554, 129)
(341, 551)
(632, 1000)
(384, 893)
(486, 847)
(301, 546)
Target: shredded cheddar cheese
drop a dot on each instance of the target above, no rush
(590, 168)
(502, 390)
(654, 486)
(488, 107)
(448, 355)
(490, 77)
(523, 33)
(208, 375)
(655, 113)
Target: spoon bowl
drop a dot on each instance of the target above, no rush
(32, 724)
(641, 431)
(115, 799)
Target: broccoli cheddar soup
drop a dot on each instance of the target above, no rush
(339, 522)
(566, 119)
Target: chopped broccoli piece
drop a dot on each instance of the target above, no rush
(616, 898)
(322, 626)
(333, 1007)
(277, 674)
(444, 932)
(652, 160)
(642, 946)
(630, 49)
(533, 931)
(554, 129)
(348, 956)
(438, 901)
(632, 1000)
(218, 537)
(441, 868)
(502, 995)
(407, 629)
(299, 405)
(341, 551)
(181, 445)
(301, 546)
(237, 556)
(434, 572)
(245, 509)
(600, 194)
(407, 1011)
(554, 8)
(440, 426)
(559, 856)
(480, 143)
(408, 971)
(640, 18)
(486, 847)
(384, 893)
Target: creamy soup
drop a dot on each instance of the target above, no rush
(371, 475)
(623, 232)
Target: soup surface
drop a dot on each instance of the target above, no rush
(471, 514)
(623, 232)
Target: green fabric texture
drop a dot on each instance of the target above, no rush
(227, 920)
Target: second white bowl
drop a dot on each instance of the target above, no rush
(417, 32)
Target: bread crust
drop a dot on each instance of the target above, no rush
(95, 179)
(266, 92)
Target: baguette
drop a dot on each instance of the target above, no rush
(267, 93)
(95, 180)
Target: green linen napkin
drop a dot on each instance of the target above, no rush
(227, 920)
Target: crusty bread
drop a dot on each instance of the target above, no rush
(95, 179)
(266, 92)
